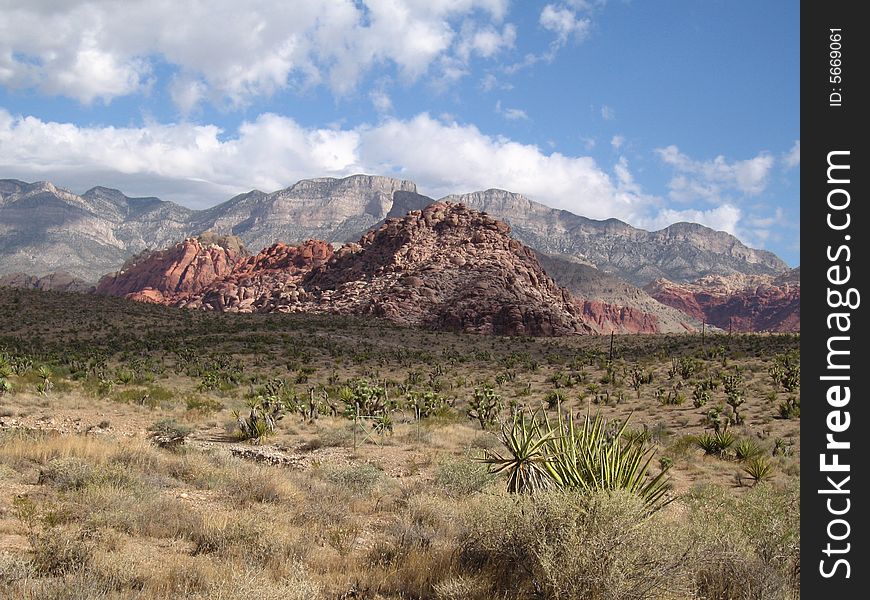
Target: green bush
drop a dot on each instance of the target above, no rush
(563, 545)
(462, 476)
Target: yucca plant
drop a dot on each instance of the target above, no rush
(707, 442)
(526, 455)
(746, 449)
(586, 456)
(759, 469)
(724, 439)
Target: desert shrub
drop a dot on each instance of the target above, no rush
(58, 551)
(462, 476)
(360, 479)
(428, 403)
(566, 545)
(203, 404)
(716, 443)
(254, 485)
(746, 449)
(790, 408)
(554, 398)
(14, 567)
(759, 469)
(151, 396)
(484, 406)
(169, 434)
(241, 535)
(69, 473)
(746, 547)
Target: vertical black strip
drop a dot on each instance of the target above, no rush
(835, 263)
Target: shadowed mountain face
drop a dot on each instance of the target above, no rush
(56, 282)
(738, 302)
(613, 304)
(44, 229)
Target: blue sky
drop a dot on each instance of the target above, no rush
(650, 112)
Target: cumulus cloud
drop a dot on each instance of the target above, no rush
(273, 151)
(713, 179)
(201, 165)
(381, 101)
(511, 114)
(564, 22)
(617, 141)
(608, 113)
(102, 49)
(722, 218)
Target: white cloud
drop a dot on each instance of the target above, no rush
(201, 165)
(485, 41)
(607, 113)
(272, 152)
(722, 218)
(381, 101)
(617, 141)
(564, 23)
(187, 93)
(712, 179)
(490, 82)
(103, 49)
(792, 158)
(511, 114)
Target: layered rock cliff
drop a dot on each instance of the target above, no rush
(738, 302)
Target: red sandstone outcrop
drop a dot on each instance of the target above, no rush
(737, 303)
(265, 282)
(167, 276)
(447, 267)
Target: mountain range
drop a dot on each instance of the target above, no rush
(45, 229)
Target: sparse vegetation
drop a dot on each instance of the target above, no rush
(93, 509)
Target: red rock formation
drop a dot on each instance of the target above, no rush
(738, 303)
(604, 318)
(272, 274)
(167, 276)
(445, 267)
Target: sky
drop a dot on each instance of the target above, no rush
(649, 112)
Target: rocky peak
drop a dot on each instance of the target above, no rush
(11, 186)
(446, 266)
(166, 276)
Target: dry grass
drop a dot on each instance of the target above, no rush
(90, 509)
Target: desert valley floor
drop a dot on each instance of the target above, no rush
(126, 473)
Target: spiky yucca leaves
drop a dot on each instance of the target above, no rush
(526, 457)
(585, 456)
(593, 456)
(759, 469)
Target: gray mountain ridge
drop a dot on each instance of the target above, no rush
(45, 229)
